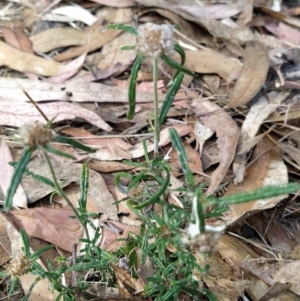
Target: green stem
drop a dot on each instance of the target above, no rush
(156, 113)
(61, 192)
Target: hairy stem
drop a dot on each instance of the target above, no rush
(59, 189)
(156, 113)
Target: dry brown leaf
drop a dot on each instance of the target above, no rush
(20, 198)
(284, 32)
(194, 161)
(96, 36)
(116, 3)
(113, 57)
(224, 282)
(219, 121)
(220, 30)
(26, 62)
(52, 225)
(109, 149)
(125, 277)
(99, 198)
(67, 71)
(282, 272)
(268, 169)
(73, 91)
(280, 239)
(252, 75)
(138, 150)
(258, 113)
(110, 239)
(192, 8)
(280, 16)
(237, 253)
(17, 39)
(64, 37)
(186, 27)
(207, 61)
(107, 166)
(23, 112)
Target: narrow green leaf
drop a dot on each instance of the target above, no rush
(181, 52)
(199, 210)
(132, 88)
(118, 178)
(155, 198)
(38, 253)
(84, 185)
(167, 104)
(172, 63)
(35, 176)
(12, 286)
(136, 180)
(257, 194)
(17, 176)
(57, 152)
(25, 242)
(74, 143)
(3, 274)
(125, 27)
(177, 144)
(131, 47)
(86, 266)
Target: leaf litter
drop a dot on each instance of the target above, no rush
(76, 71)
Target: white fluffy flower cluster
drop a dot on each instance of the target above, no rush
(153, 40)
(36, 134)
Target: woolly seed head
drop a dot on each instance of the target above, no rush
(18, 266)
(153, 40)
(36, 134)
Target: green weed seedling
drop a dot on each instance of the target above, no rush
(156, 42)
(38, 136)
(170, 236)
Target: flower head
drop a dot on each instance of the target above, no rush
(36, 134)
(153, 40)
(18, 266)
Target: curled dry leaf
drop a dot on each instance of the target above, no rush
(207, 61)
(26, 62)
(219, 121)
(268, 169)
(44, 42)
(97, 36)
(252, 75)
(258, 113)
